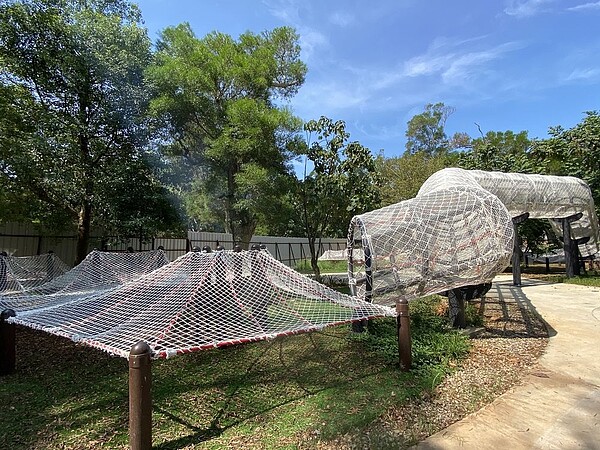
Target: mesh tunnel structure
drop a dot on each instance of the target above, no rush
(458, 231)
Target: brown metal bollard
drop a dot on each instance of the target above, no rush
(140, 397)
(7, 343)
(404, 339)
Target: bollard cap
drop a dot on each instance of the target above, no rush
(7, 313)
(140, 348)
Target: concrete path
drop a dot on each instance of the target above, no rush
(556, 406)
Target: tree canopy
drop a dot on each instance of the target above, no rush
(426, 131)
(574, 152)
(72, 105)
(344, 182)
(502, 151)
(214, 101)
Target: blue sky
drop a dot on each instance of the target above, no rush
(503, 64)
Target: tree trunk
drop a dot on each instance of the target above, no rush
(230, 216)
(314, 259)
(245, 234)
(83, 231)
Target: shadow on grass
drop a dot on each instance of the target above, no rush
(322, 371)
(315, 386)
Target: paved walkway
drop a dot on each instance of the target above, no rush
(557, 406)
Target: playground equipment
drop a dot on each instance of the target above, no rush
(453, 238)
(460, 231)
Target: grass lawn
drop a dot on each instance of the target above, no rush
(589, 279)
(286, 393)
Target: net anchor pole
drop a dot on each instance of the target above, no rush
(140, 397)
(516, 256)
(569, 245)
(7, 343)
(404, 338)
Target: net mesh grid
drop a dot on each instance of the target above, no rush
(21, 273)
(200, 301)
(457, 231)
(99, 272)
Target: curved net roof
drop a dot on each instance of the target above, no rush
(97, 273)
(458, 231)
(21, 273)
(200, 300)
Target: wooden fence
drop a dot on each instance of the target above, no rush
(25, 240)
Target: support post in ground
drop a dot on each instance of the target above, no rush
(456, 305)
(569, 246)
(359, 327)
(516, 256)
(140, 397)
(7, 343)
(404, 338)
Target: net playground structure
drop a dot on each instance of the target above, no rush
(21, 273)
(458, 231)
(199, 301)
(99, 272)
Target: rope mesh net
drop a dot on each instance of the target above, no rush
(21, 273)
(200, 300)
(99, 272)
(457, 231)
(542, 196)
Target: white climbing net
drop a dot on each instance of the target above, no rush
(98, 273)
(457, 231)
(542, 196)
(21, 273)
(200, 300)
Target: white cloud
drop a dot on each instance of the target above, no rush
(285, 10)
(527, 8)
(589, 74)
(585, 7)
(455, 65)
(331, 96)
(310, 40)
(342, 19)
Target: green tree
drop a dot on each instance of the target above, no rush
(403, 176)
(72, 99)
(343, 182)
(426, 131)
(214, 102)
(574, 152)
(502, 151)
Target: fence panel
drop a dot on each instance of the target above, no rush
(25, 240)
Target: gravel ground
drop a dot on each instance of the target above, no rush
(503, 352)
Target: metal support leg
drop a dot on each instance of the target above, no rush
(7, 343)
(140, 397)
(456, 308)
(516, 256)
(404, 339)
(359, 327)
